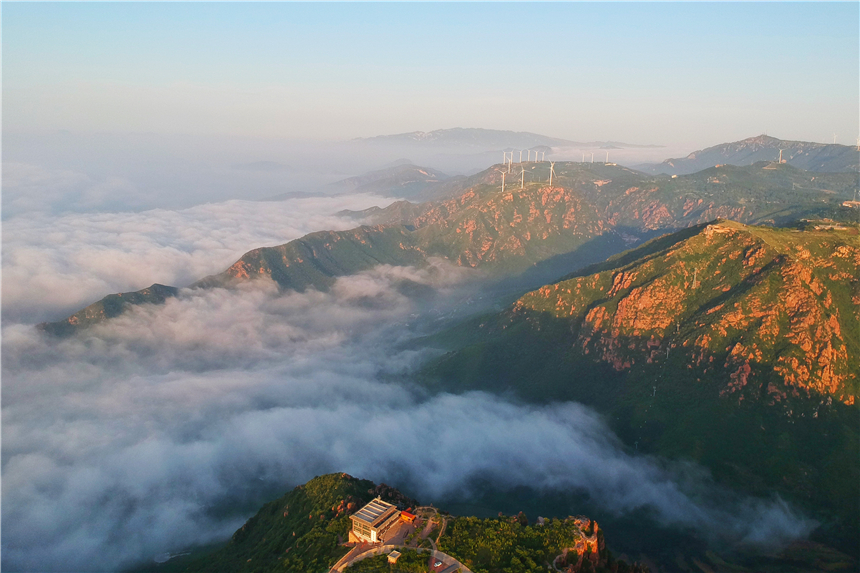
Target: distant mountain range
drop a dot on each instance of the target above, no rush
(262, 166)
(528, 229)
(817, 157)
(486, 139)
(403, 180)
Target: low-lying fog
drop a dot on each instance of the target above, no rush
(139, 437)
(62, 172)
(163, 428)
(53, 265)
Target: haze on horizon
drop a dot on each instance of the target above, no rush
(681, 75)
(128, 132)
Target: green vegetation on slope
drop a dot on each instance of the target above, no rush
(734, 346)
(511, 545)
(301, 531)
(507, 233)
(304, 530)
(807, 155)
(410, 561)
(317, 259)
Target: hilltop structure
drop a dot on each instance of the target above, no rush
(373, 521)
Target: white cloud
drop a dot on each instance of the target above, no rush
(128, 440)
(53, 265)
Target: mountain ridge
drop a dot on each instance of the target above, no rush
(506, 233)
(487, 138)
(806, 155)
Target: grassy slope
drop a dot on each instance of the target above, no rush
(317, 259)
(504, 544)
(298, 532)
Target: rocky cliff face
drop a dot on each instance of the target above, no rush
(735, 300)
(514, 229)
(590, 548)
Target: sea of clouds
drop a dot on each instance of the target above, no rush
(55, 264)
(165, 427)
(139, 437)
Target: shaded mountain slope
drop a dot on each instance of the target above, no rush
(736, 346)
(317, 259)
(109, 307)
(819, 157)
(761, 193)
(406, 180)
(769, 312)
(397, 213)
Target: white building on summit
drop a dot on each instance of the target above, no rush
(373, 521)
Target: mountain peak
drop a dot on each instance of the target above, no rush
(763, 139)
(471, 137)
(806, 155)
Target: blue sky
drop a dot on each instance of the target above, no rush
(662, 73)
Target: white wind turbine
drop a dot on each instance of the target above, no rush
(523, 179)
(551, 172)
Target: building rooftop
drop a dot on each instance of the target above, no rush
(374, 512)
